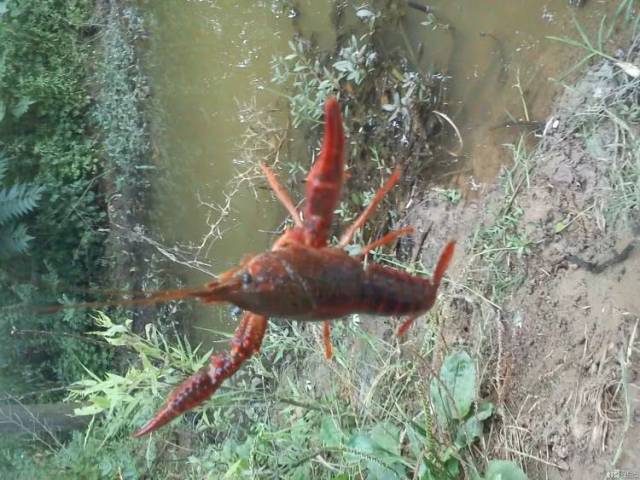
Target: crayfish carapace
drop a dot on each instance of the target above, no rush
(302, 278)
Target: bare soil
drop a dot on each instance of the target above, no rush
(551, 353)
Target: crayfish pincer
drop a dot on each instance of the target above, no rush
(303, 278)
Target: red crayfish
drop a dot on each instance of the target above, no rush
(304, 279)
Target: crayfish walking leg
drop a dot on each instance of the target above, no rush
(438, 273)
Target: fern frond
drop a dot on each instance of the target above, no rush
(14, 239)
(18, 201)
(4, 166)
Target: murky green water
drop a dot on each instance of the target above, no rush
(211, 57)
(499, 60)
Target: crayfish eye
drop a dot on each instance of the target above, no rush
(246, 279)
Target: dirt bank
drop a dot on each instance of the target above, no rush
(546, 286)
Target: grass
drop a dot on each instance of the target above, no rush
(121, 96)
(618, 110)
(313, 81)
(75, 78)
(379, 410)
(623, 16)
(46, 134)
(494, 270)
(383, 413)
(501, 245)
(625, 362)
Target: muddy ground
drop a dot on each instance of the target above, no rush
(551, 352)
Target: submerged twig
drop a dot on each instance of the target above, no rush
(446, 118)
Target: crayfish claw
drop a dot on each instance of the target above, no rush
(200, 386)
(189, 394)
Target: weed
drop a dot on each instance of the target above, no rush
(625, 362)
(379, 133)
(313, 82)
(364, 420)
(47, 137)
(15, 202)
(502, 244)
(616, 110)
(355, 61)
(452, 195)
(122, 90)
(43, 73)
(596, 48)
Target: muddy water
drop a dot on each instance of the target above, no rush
(210, 57)
(500, 63)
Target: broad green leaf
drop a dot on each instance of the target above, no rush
(484, 410)
(387, 437)
(468, 432)
(330, 432)
(236, 469)
(452, 466)
(102, 402)
(343, 66)
(417, 442)
(452, 394)
(380, 471)
(244, 450)
(504, 470)
(380, 462)
(361, 442)
(448, 470)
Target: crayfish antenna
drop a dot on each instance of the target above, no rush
(203, 384)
